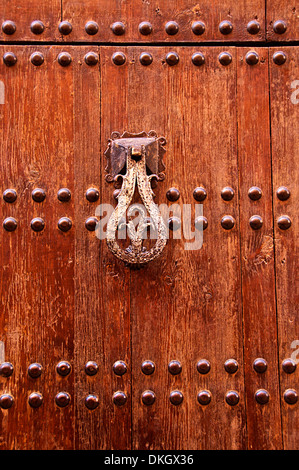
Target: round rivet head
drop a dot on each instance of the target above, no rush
(145, 58)
(148, 367)
(227, 193)
(252, 58)
(65, 28)
(198, 59)
(262, 396)
(199, 194)
(38, 195)
(290, 396)
(172, 58)
(62, 399)
(174, 223)
(64, 59)
(280, 27)
(64, 195)
(232, 398)
(260, 365)
(118, 28)
(92, 402)
(35, 400)
(119, 398)
(35, 370)
(201, 223)
(91, 28)
(9, 59)
(91, 368)
(9, 27)
(64, 224)
(6, 369)
(10, 224)
(225, 58)
(145, 28)
(225, 27)
(198, 28)
(10, 195)
(148, 397)
(204, 397)
(63, 368)
(37, 27)
(91, 58)
(120, 368)
(256, 222)
(231, 366)
(255, 193)
(203, 366)
(118, 58)
(37, 224)
(171, 28)
(283, 193)
(279, 58)
(6, 401)
(289, 366)
(173, 194)
(176, 397)
(284, 222)
(227, 222)
(175, 367)
(92, 195)
(37, 58)
(91, 224)
(253, 27)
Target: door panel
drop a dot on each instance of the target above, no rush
(282, 20)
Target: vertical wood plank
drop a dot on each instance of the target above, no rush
(282, 20)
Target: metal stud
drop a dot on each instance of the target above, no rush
(91, 224)
(176, 397)
(91, 368)
(118, 28)
(201, 223)
(9, 27)
(253, 27)
(225, 58)
(225, 27)
(204, 397)
(173, 194)
(6, 369)
(198, 28)
(64, 224)
(119, 398)
(37, 224)
(227, 193)
(227, 222)
(279, 58)
(37, 27)
(262, 396)
(35, 370)
(9, 59)
(145, 28)
(283, 193)
(64, 195)
(252, 58)
(91, 28)
(290, 396)
(10, 195)
(256, 222)
(289, 366)
(65, 28)
(37, 58)
(260, 365)
(38, 195)
(92, 195)
(232, 398)
(62, 399)
(63, 368)
(255, 193)
(284, 222)
(203, 366)
(280, 27)
(64, 59)
(120, 368)
(231, 366)
(145, 58)
(35, 400)
(92, 401)
(199, 194)
(171, 28)
(198, 59)
(91, 58)
(6, 401)
(174, 223)
(148, 367)
(175, 367)
(172, 58)
(119, 58)
(10, 224)
(148, 397)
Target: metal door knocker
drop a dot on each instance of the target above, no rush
(137, 160)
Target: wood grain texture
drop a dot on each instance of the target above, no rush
(284, 130)
(287, 11)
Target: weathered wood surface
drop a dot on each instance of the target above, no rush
(279, 12)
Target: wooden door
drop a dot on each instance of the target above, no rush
(196, 350)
